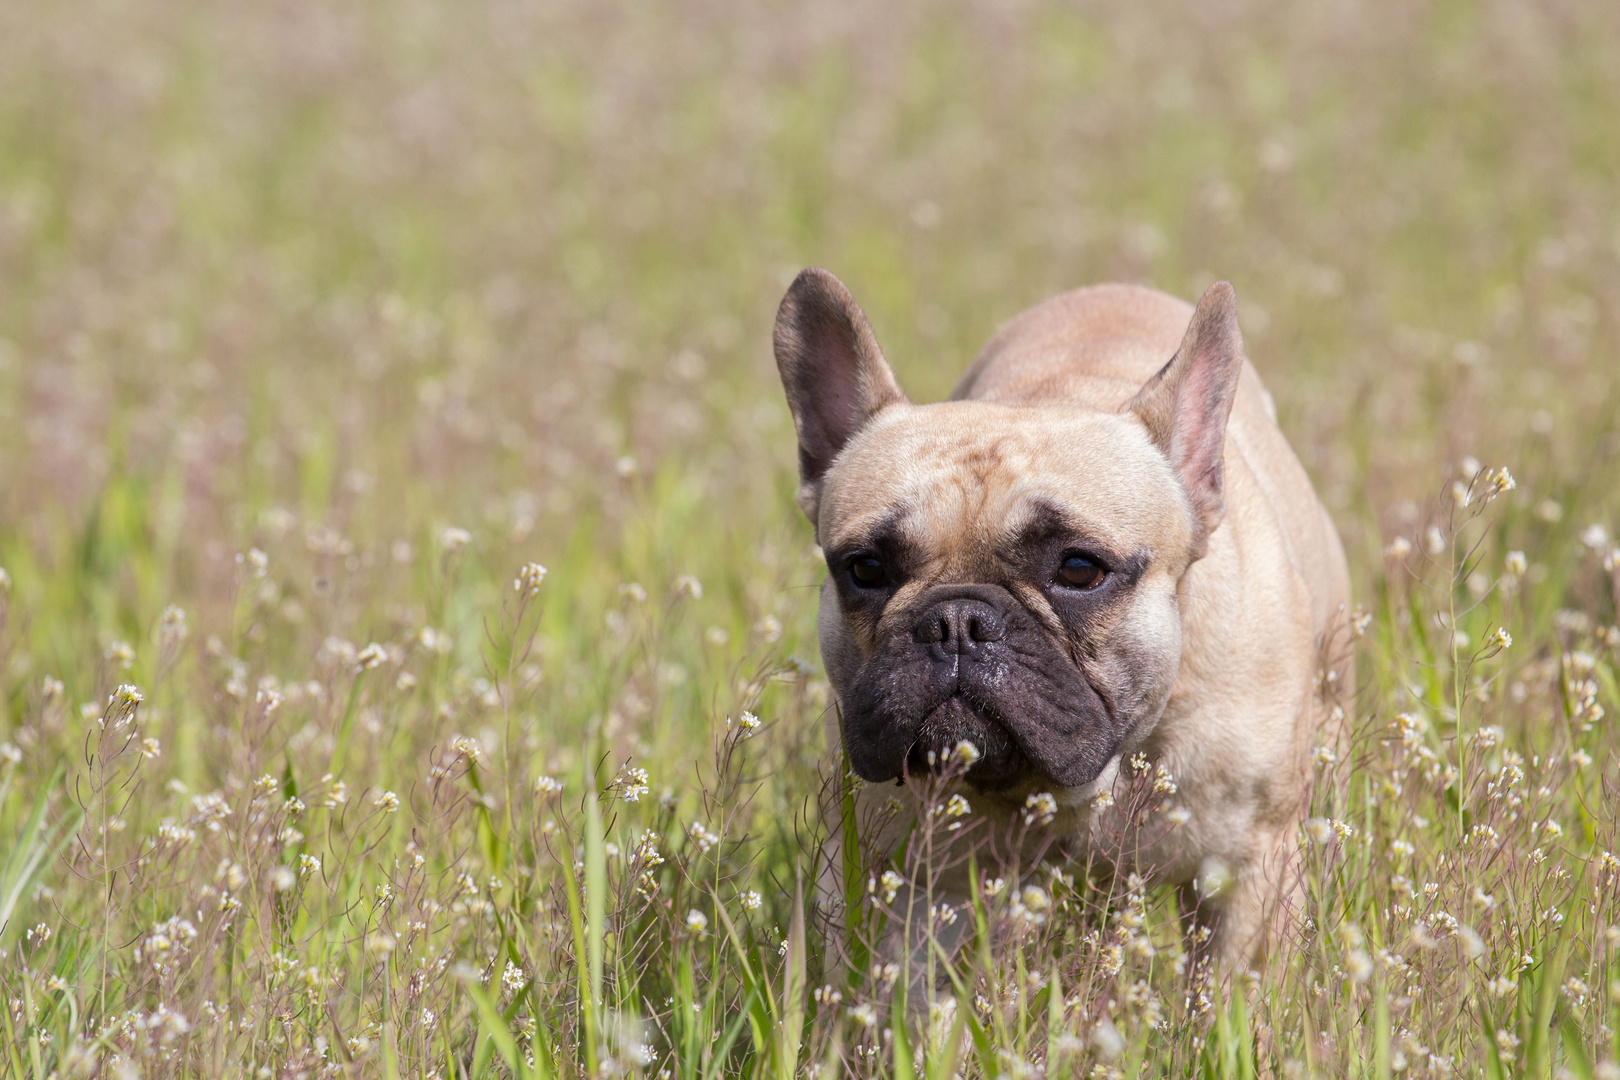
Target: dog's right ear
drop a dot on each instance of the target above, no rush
(1186, 405)
(834, 374)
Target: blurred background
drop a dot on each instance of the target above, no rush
(318, 320)
(392, 265)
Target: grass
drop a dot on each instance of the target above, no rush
(318, 324)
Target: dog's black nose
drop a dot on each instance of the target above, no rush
(960, 625)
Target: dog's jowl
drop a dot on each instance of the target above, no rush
(1100, 549)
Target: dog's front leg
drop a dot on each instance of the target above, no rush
(1232, 912)
(923, 945)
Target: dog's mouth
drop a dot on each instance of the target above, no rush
(958, 719)
(1004, 685)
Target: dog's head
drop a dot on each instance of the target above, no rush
(1001, 575)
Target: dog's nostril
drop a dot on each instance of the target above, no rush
(936, 628)
(983, 627)
(959, 626)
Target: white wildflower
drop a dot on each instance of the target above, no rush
(529, 577)
(1163, 782)
(891, 883)
(702, 837)
(632, 783)
(1107, 1040)
(170, 832)
(1040, 807)
(172, 624)
(1214, 876)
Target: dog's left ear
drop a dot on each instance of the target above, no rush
(834, 374)
(1185, 406)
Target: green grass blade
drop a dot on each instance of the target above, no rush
(1576, 1059)
(595, 894)
(576, 921)
(493, 1033)
(35, 843)
(904, 1066)
(793, 989)
(1538, 1036)
(854, 886)
(1492, 1063)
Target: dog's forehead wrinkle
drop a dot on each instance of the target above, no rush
(968, 475)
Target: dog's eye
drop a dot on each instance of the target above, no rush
(867, 572)
(1080, 572)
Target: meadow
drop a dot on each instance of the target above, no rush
(407, 650)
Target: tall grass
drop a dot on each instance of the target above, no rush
(321, 329)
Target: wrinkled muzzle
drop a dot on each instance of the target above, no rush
(969, 663)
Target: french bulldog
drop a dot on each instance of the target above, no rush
(1101, 549)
